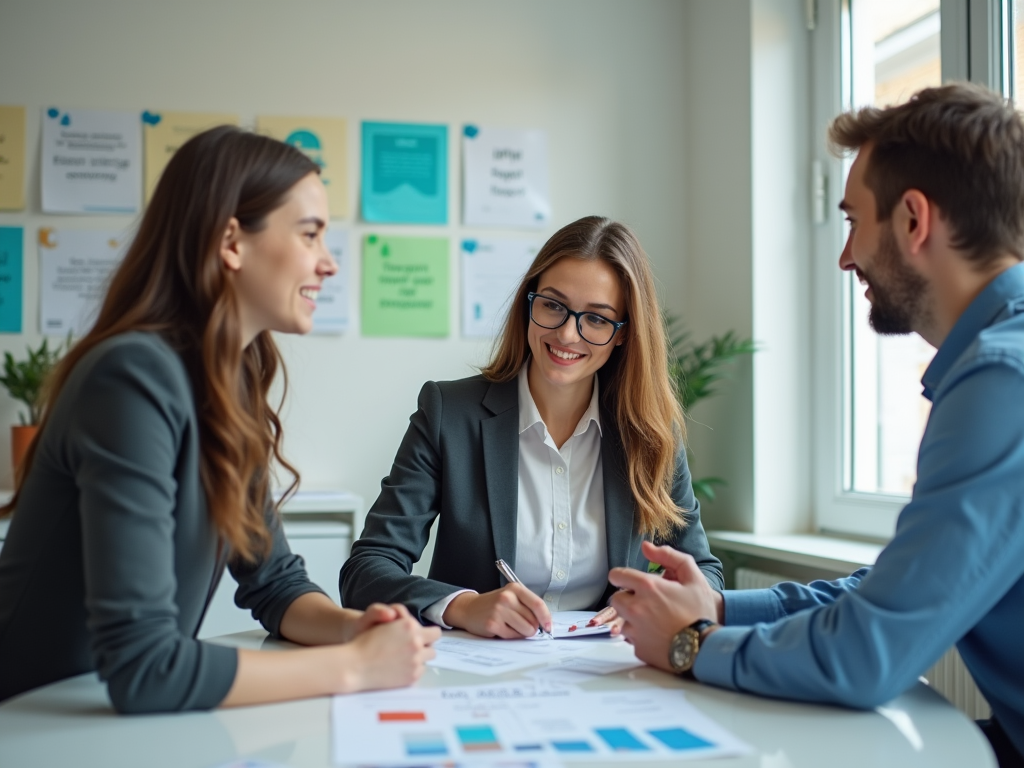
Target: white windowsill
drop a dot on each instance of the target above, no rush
(807, 549)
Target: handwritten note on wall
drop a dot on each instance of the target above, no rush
(75, 266)
(506, 178)
(91, 161)
(165, 132)
(12, 158)
(405, 286)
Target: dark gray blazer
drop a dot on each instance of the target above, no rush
(459, 462)
(111, 557)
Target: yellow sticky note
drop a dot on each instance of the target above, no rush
(323, 140)
(164, 132)
(12, 158)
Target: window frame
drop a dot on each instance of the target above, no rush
(973, 36)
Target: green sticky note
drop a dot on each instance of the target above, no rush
(405, 286)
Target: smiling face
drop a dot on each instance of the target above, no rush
(278, 270)
(897, 293)
(560, 356)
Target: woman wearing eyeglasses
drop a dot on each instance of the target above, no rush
(560, 458)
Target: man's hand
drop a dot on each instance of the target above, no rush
(510, 612)
(656, 608)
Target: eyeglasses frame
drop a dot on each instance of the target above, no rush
(616, 324)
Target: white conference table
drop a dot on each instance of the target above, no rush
(71, 723)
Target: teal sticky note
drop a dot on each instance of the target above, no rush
(405, 173)
(12, 243)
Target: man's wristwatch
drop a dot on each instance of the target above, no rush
(682, 651)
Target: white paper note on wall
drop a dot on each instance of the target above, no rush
(91, 161)
(75, 266)
(332, 310)
(506, 178)
(491, 271)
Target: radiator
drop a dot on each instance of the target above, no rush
(949, 676)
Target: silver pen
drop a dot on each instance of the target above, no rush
(510, 576)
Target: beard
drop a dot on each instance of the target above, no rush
(898, 291)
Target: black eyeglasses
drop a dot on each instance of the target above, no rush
(592, 327)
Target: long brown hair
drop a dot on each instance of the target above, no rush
(636, 386)
(172, 282)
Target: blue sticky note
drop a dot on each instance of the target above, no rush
(405, 173)
(12, 241)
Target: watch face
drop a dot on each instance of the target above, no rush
(683, 650)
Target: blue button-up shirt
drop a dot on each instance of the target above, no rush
(953, 573)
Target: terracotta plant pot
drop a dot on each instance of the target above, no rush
(21, 439)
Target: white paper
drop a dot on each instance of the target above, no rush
(91, 161)
(491, 656)
(75, 267)
(491, 271)
(571, 624)
(523, 720)
(505, 178)
(575, 669)
(332, 313)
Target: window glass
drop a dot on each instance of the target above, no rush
(895, 51)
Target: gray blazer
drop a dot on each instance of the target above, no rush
(111, 557)
(459, 463)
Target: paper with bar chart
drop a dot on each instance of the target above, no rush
(492, 724)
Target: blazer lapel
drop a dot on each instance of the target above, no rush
(619, 505)
(500, 434)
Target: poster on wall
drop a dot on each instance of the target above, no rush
(405, 173)
(164, 132)
(12, 242)
(323, 140)
(75, 265)
(332, 312)
(505, 178)
(405, 286)
(91, 161)
(491, 271)
(12, 158)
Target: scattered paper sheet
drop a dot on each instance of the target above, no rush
(323, 140)
(165, 132)
(405, 173)
(12, 158)
(91, 161)
(506, 178)
(12, 246)
(523, 719)
(75, 266)
(331, 315)
(491, 656)
(491, 271)
(405, 286)
(571, 624)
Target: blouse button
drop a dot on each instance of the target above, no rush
(561, 526)
(559, 470)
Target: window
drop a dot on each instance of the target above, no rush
(894, 51)
(869, 412)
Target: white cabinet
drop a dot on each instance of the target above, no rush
(319, 526)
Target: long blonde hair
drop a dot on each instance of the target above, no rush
(636, 386)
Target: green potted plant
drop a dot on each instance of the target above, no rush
(696, 369)
(24, 380)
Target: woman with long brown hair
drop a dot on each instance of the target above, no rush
(560, 458)
(151, 470)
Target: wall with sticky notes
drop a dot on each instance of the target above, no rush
(603, 79)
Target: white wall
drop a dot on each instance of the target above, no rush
(605, 79)
(748, 256)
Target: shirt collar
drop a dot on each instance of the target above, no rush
(529, 415)
(987, 306)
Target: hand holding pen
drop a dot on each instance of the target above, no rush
(511, 578)
(512, 612)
